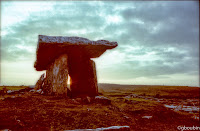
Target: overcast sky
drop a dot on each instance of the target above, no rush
(158, 40)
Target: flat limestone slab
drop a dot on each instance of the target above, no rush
(111, 128)
(50, 47)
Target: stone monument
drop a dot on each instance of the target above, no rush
(64, 57)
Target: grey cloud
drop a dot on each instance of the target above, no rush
(166, 62)
(16, 55)
(178, 23)
(154, 12)
(145, 11)
(48, 23)
(151, 69)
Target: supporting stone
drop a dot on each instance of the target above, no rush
(57, 76)
(82, 72)
(39, 83)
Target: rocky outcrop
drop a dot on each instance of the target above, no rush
(40, 82)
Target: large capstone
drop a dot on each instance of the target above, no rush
(57, 76)
(51, 47)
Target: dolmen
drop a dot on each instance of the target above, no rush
(64, 57)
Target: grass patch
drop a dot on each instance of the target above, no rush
(13, 87)
(182, 92)
(40, 112)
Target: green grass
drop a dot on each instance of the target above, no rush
(13, 87)
(163, 91)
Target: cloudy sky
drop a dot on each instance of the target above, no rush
(158, 40)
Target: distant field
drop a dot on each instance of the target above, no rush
(150, 90)
(13, 87)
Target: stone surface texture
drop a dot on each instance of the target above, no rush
(57, 76)
(103, 100)
(40, 82)
(111, 128)
(62, 56)
(82, 72)
(50, 47)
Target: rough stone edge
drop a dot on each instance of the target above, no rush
(40, 81)
(74, 41)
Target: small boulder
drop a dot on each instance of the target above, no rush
(102, 100)
(147, 117)
(39, 83)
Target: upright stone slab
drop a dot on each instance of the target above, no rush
(39, 83)
(82, 72)
(57, 76)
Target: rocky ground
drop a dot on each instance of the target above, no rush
(190, 106)
(27, 109)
